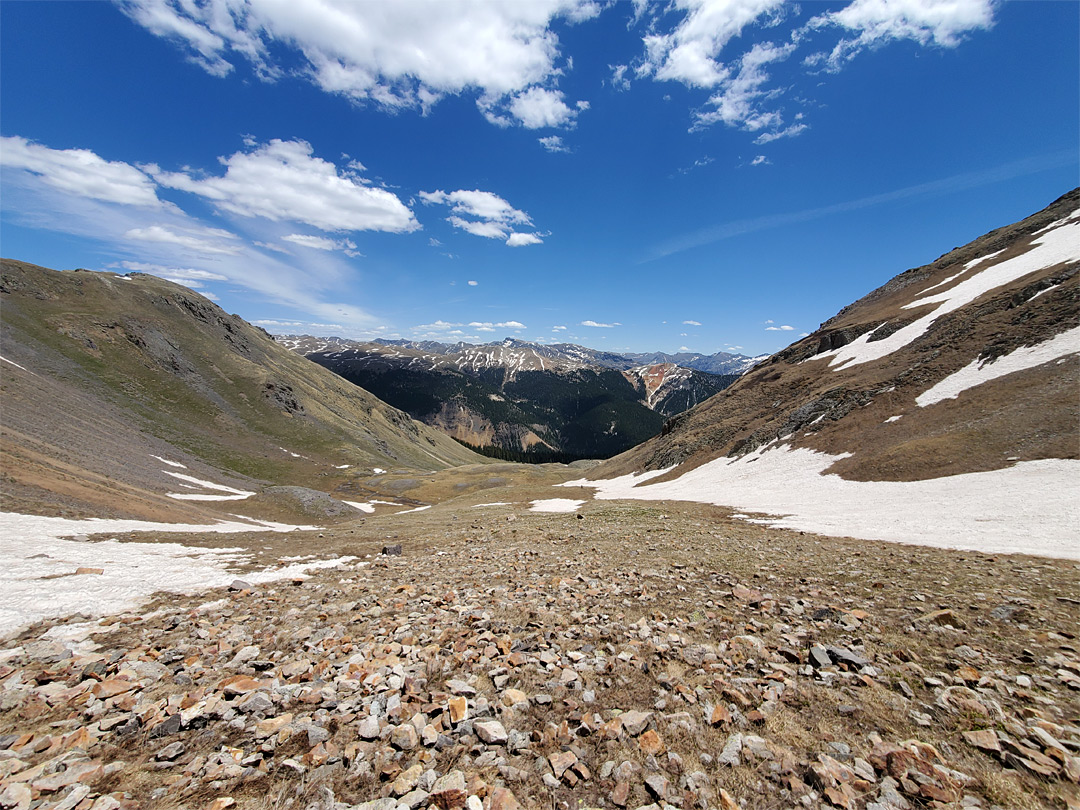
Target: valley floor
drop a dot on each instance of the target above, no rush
(631, 654)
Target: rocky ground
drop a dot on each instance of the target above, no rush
(659, 655)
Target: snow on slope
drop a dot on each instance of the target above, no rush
(977, 373)
(1030, 508)
(39, 566)
(1059, 242)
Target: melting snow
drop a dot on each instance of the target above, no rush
(12, 362)
(556, 505)
(976, 373)
(1030, 508)
(1060, 243)
(363, 507)
(234, 494)
(170, 463)
(497, 503)
(39, 567)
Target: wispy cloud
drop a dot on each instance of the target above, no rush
(934, 188)
(597, 325)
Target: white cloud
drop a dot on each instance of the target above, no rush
(698, 42)
(476, 203)
(692, 323)
(784, 328)
(558, 329)
(553, 143)
(618, 77)
(522, 239)
(760, 160)
(601, 325)
(81, 172)
(690, 53)
(347, 246)
(874, 22)
(434, 242)
(490, 230)
(494, 217)
(737, 104)
(684, 348)
(273, 247)
(283, 181)
(187, 276)
(787, 132)
(401, 54)
(198, 239)
(487, 326)
(474, 283)
(438, 326)
(536, 108)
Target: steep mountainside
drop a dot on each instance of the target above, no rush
(966, 364)
(104, 376)
(517, 396)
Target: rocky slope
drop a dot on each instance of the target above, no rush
(639, 657)
(552, 401)
(967, 364)
(122, 390)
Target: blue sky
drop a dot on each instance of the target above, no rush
(700, 175)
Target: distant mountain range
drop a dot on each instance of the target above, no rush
(518, 399)
(514, 354)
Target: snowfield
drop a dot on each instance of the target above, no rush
(39, 566)
(1030, 508)
(976, 373)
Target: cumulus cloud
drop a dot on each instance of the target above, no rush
(488, 326)
(473, 283)
(537, 107)
(760, 160)
(522, 239)
(553, 143)
(491, 216)
(601, 325)
(558, 329)
(284, 181)
(692, 323)
(80, 172)
(784, 328)
(401, 54)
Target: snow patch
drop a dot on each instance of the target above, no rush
(363, 507)
(417, 509)
(377, 470)
(39, 565)
(12, 362)
(1060, 243)
(1029, 508)
(170, 463)
(497, 503)
(976, 373)
(234, 494)
(556, 505)
(893, 419)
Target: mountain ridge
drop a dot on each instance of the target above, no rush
(517, 396)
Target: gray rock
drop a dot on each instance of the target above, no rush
(819, 657)
(732, 749)
(491, 732)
